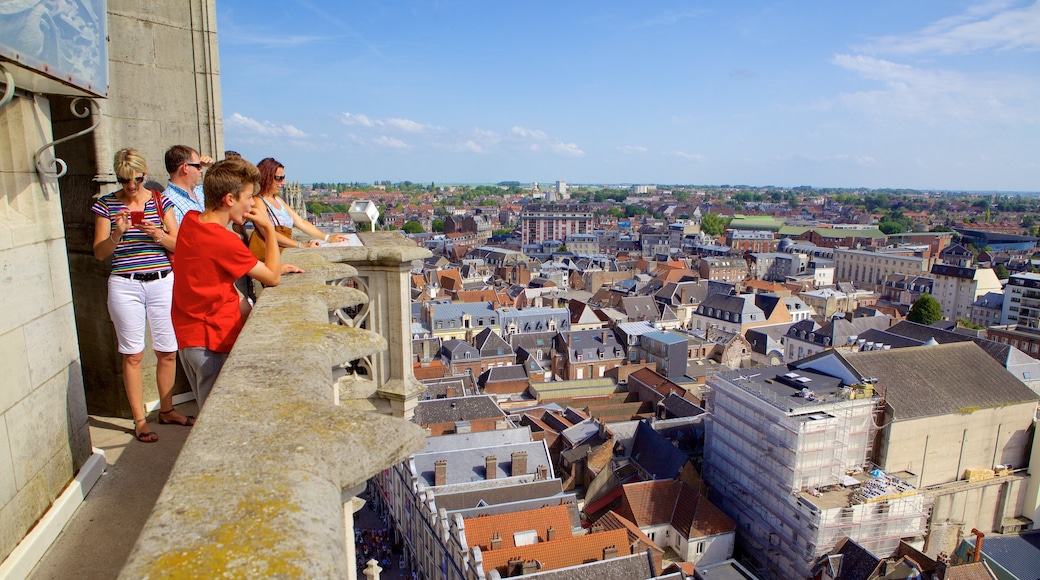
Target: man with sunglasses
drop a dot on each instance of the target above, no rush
(185, 187)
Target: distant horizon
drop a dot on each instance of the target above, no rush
(544, 185)
(929, 95)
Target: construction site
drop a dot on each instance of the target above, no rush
(788, 458)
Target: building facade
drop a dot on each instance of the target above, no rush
(869, 269)
(541, 222)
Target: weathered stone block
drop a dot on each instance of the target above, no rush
(23, 272)
(8, 487)
(135, 45)
(52, 341)
(14, 368)
(173, 47)
(31, 428)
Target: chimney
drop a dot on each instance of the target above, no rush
(603, 336)
(978, 544)
(450, 392)
(530, 567)
(550, 534)
(610, 552)
(514, 567)
(490, 467)
(440, 472)
(519, 463)
(542, 472)
(596, 528)
(496, 541)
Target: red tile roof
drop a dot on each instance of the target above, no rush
(480, 529)
(673, 502)
(561, 553)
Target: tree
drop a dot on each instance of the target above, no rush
(413, 227)
(925, 310)
(437, 225)
(1001, 272)
(888, 228)
(713, 224)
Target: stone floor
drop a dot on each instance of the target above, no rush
(97, 541)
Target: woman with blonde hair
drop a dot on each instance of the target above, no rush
(136, 228)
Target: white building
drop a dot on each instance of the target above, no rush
(1021, 300)
(958, 287)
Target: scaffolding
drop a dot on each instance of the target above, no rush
(787, 468)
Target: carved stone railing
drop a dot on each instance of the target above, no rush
(264, 484)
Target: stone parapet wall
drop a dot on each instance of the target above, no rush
(263, 485)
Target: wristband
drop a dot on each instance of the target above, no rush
(161, 236)
(326, 237)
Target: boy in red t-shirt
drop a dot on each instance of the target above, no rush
(209, 258)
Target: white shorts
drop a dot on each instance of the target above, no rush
(133, 302)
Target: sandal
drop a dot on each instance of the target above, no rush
(189, 420)
(147, 436)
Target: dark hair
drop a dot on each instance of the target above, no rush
(178, 155)
(267, 167)
(228, 176)
(230, 153)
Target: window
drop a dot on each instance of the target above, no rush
(700, 547)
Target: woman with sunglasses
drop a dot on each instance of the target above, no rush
(272, 179)
(137, 233)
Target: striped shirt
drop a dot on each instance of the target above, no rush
(136, 250)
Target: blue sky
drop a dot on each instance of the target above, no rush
(924, 94)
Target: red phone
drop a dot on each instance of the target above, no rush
(137, 218)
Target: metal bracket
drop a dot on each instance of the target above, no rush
(58, 167)
(8, 87)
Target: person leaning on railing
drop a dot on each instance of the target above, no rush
(207, 312)
(272, 179)
(136, 227)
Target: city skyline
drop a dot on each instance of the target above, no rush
(932, 96)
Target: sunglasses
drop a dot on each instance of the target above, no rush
(279, 178)
(125, 180)
(195, 165)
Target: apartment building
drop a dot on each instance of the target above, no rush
(1021, 300)
(541, 222)
(869, 269)
(958, 287)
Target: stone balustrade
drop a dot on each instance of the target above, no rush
(261, 485)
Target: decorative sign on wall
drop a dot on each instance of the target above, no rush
(59, 45)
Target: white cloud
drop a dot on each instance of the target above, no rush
(350, 119)
(569, 149)
(632, 149)
(934, 96)
(531, 134)
(690, 156)
(390, 142)
(536, 140)
(998, 26)
(262, 128)
(406, 125)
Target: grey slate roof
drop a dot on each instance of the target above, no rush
(1019, 555)
(504, 373)
(456, 409)
(925, 381)
(468, 465)
(632, 567)
(499, 494)
(477, 440)
(655, 453)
